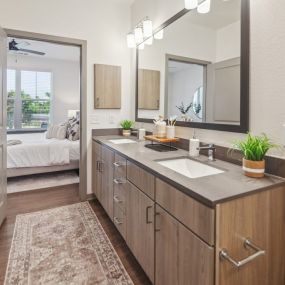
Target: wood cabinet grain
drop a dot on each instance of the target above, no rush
(261, 218)
(107, 86)
(141, 178)
(120, 167)
(148, 89)
(140, 228)
(96, 174)
(196, 216)
(195, 259)
(166, 249)
(107, 169)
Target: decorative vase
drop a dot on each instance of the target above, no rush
(170, 132)
(126, 133)
(253, 169)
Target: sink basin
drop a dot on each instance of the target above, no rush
(190, 168)
(122, 141)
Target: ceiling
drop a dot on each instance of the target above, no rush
(222, 14)
(52, 51)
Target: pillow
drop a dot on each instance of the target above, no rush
(57, 132)
(73, 131)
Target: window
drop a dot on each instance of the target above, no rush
(29, 99)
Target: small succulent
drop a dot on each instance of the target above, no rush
(127, 124)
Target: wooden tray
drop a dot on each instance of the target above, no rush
(161, 140)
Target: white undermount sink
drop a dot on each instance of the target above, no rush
(122, 141)
(190, 168)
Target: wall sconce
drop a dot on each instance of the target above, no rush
(203, 7)
(143, 34)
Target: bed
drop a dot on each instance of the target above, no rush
(36, 154)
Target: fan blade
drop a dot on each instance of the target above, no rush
(31, 51)
(23, 44)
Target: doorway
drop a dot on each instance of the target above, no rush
(82, 47)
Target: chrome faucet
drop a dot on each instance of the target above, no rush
(211, 151)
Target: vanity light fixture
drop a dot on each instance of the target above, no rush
(138, 35)
(191, 4)
(149, 41)
(204, 7)
(159, 35)
(131, 40)
(141, 46)
(147, 28)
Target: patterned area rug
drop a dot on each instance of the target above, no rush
(65, 245)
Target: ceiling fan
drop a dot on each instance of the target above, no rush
(14, 46)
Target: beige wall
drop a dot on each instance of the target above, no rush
(267, 67)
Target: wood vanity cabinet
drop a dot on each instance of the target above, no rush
(96, 173)
(180, 241)
(181, 257)
(107, 169)
(140, 228)
(102, 183)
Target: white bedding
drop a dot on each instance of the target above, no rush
(37, 151)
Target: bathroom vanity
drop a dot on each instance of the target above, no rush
(222, 229)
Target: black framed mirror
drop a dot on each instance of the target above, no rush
(199, 71)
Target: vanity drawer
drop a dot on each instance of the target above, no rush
(120, 166)
(141, 178)
(194, 215)
(120, 220)
(120, 191)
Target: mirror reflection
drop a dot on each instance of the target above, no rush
(194, 71)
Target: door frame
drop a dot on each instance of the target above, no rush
(82, 44)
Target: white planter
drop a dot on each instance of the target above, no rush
(170, 132)
(126, 133)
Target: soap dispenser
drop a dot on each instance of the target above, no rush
(194, 144)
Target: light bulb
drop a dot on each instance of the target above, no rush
(159, 35)
(191, 4)
(138, 35)
(149, 41)
(204, 7)
(141, 46)
(131, 40)
(147, 28)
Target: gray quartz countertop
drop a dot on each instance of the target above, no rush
(210, 190)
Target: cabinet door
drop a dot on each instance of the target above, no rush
(195, 259)
(96, 174)
(259, 218)
(140, 228)
(148, 89)
(166, 252)
(107, 180)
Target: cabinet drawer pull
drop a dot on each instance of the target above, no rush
(156, 221)
(119, 181)
(147, 215)
(117, 221)
(97, 165)
(101, 166)
(247, 244)
(117, 200)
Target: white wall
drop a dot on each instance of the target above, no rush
(228, 42)
(103, 23)
(65, 82)
(267, 68)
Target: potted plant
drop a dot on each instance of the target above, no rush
(254, 149)
(127, 125)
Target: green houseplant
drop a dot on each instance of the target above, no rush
(127, 125)
(254, 149)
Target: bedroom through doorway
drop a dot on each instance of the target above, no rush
(43, 114)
